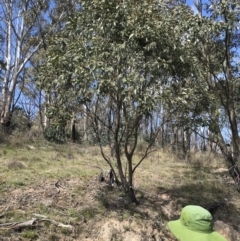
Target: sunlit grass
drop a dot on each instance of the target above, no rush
(28, 172)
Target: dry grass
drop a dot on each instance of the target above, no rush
(15, 165)
(30, 172)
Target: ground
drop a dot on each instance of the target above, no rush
(52, 192)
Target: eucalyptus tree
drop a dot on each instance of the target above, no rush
(60, 12)
(223, 79)
(219, 57)
(21, 22)
(210, 96)
(113, 58)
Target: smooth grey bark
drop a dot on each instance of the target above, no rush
(16, 52)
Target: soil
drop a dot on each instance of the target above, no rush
(91, 210)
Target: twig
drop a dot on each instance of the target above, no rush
(41, 218)
(2, 214)
(58, 224)
(6, 224)
(45, 218)
(57, 186)
(64, 214)
(39, 215)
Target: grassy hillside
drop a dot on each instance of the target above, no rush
(52, 192)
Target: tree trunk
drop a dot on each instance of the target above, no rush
(85, 124)
(73, 129)
(6, 110)
(203, 140)
(195, 141)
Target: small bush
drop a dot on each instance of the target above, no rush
(89, 213)
(18, 183)
(55, 134)
(141, 146)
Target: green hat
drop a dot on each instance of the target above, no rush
(195, 224)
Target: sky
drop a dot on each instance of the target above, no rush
(191, 4)
(193, 7)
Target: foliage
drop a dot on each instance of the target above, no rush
(115, 58)
(20, 120)
(55, 133)
(209, 97)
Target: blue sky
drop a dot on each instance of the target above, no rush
(193, 7)
(191, 4)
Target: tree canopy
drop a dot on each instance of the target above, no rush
(117, 57)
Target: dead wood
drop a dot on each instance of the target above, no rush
(33, 221)
(39, 215)
(6, 224)
(57, 186)
(20, 225)
(58, 224)
(4, 212)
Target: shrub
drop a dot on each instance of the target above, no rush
(55, 134)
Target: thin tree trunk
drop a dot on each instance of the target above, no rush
(85, 124)
(73, 128)
(45, 118)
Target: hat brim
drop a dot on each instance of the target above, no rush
(182, 233)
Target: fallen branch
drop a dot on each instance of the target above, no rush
(6, 224)
(19, 225)
(30, 223)
(58, 224)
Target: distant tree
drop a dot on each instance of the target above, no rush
(40, 21)
(21, 23)
(223, 77)
(210, 96)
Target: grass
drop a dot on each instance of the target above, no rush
(29, 234)
(30, 171)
